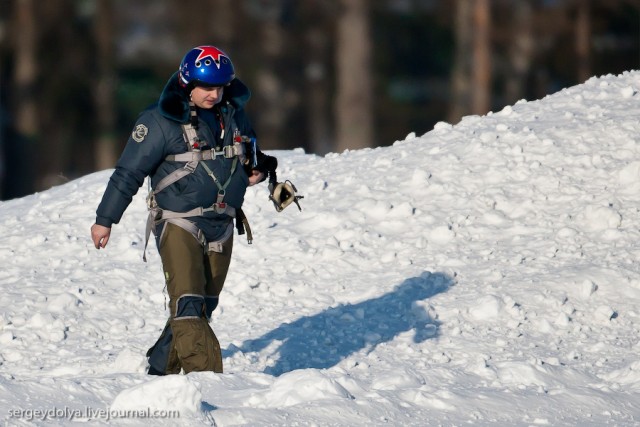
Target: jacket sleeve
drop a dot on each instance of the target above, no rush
(266, 163)
(141, 156)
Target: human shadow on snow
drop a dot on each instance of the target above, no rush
(324, 339)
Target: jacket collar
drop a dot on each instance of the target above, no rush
(174, 100)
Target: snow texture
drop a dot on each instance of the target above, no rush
(485, 273)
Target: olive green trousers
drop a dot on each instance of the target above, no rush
(194, 281)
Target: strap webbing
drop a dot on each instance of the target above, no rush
(221, 187)
(221, 208)
(176, 175)
(189, 226)
(148, 230)
(242, 224)
(217, 245)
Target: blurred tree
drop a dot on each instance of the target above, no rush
(583, 40)
(412, 59)
(463, 64)
(223, 33)
(75, 78)
(66, 105)
(354, 89)
(104, 90)
(316, 46)
(536, 47)
(26, 70)
(520, 50)
(24, 123)
(199, 22)
(471, 77)
(481, 70)
(271, 74)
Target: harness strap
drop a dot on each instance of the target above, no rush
(221, 187)
(176, 175)
(227, 152)
(180, 222)
(157, 215)
(192, 156)
(188, 226)
(242, 224)
(151, 220)
(220, 208)
(217, 245)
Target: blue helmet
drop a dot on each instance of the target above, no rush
(206, 66)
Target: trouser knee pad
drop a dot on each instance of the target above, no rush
(196, 345)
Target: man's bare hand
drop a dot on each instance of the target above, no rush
(255, 177)
(100, 235)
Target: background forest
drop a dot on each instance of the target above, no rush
(326, 75)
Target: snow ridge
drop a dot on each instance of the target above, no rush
(485, 273)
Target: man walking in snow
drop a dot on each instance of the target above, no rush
(198, 148)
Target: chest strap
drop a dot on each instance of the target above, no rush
(228, 152)
(174, 176)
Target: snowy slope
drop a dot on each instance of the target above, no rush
(481, 274)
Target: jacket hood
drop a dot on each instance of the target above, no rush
(174, 99)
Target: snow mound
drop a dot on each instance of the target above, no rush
(485, 273)
(172, 392)
(298, 387)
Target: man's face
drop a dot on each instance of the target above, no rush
(206, 97)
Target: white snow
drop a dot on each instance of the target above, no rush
(485, 273)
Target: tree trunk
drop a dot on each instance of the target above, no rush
(583, 36)
(481, 100)
(270, 87)
(461, 74)
(521, 51)
(106, 147)
(317, 95)
(354, 98)
(26, 70)
(24, 129)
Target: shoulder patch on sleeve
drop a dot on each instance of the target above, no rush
(139, 133)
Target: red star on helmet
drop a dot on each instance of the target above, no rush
(211, 52)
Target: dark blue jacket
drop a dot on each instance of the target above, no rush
(156, 135)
